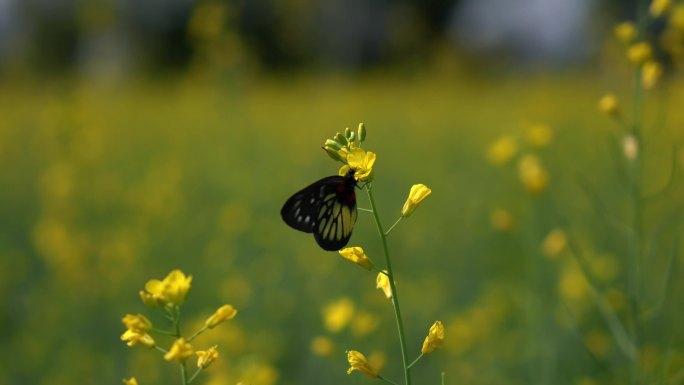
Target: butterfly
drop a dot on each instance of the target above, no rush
(326, 208)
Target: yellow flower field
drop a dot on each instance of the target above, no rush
(523, 251)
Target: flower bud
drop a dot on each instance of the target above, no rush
(339, 138)
(361, 132)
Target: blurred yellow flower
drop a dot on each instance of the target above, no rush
(134, 336)
(554, 243)
(382, 282)
(626, 31)
(416, 195)
(363, 324)
(206, 357)
(630, 147)
(501, 220)
(598, 343)
(639, 53)
(658, 7)
(616, 299)
(137, 322)
(608, 104)
(361, 162)
(130, 381)
(358, 362)
(434, 339)
(605, 267)
(222, 314)
(322, 346)
(572, 284)
(650, 357)
(532, 175)
(358, 256)
(337, 315)
(377, 360)
(650, 73)
(180, 351)
(502, 150)
(538, 135)
(170, 291)
(677, 18)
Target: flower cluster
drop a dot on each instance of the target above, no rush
(531, 171)
(346, 148)
(168, 295)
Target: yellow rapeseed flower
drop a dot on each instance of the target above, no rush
(358, 362)
(134, 336)
(626, 31)
(130, 381)
(538, 135)
(363, 324)
(170, 291)
(630, 147)
(358, 256)
(650, 73)
(677, 18)
(659, 7)
(573, 285)
(222, 314)
(640, 53)
(608, 104)
(502, 150)
(137, 321)
(322, 346)
(416, 195)
(434, 339)
(361, 161)
(382, 282)
(532, 175)
(180, 351)
(501, 220)
(598, 343)
(554, 243)
(337, 315)
(206, 357)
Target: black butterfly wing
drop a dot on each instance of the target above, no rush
(327, 208)
(336, 218)
(301, 210)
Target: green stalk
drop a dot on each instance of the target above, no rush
(395, 299)
(637, 224)
(176, 325)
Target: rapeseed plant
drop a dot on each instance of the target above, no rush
(168, 295)
(347, 148)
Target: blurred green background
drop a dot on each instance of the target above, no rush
(140, 137)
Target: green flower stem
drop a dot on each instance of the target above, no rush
(416, 360)
(392, 227)
(184, 373)
(366, 210)
(637, 244)
(443, 374)
(165, 332)
(390, 275)
(386, 380)
(194, 375)
(198, 333)
(161, 349)
(176, 325)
